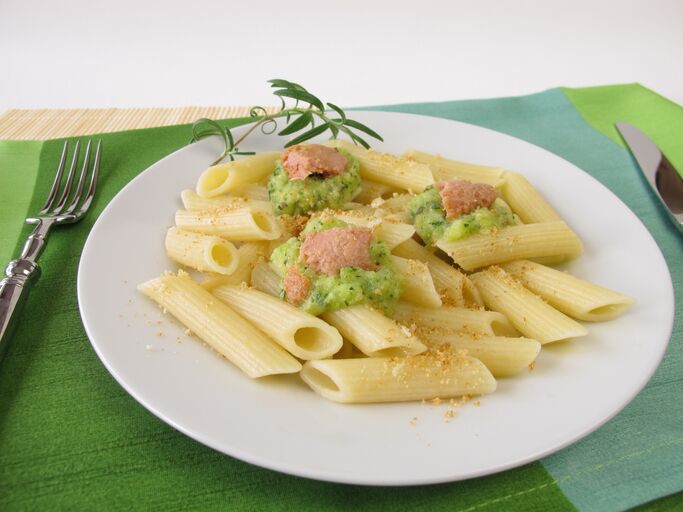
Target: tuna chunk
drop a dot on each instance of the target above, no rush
(296, 286)
(460, 197)
(329, 251)
(302, 160)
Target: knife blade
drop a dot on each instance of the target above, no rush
(663, 178)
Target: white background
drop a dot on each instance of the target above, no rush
(122, 53)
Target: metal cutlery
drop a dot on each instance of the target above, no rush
(65, 204)
(663, 178)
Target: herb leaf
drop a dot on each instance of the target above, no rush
(298, 124)
(339, 111)
(300, 95)
(286, 84)
(363, 128)
(307, 135)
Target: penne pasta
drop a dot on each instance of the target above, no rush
(358, 207)
(503, 356)
(249, 254)
(527, 312)
(575, 297)
(388, 231)
(249, 223)
(427, 334)
(416, 282)
(302, 335)
(393, 233)
(513, 243)
(445, 169)
(526, 201)
(397, 203)
(253, 192)
(388, 169)
(219, 326)
(453, 284)
(448, 319)
(371, 190)
(227, 177)
(265, 279)
(373, 333)
(201, 252)
(250, 192)
(436, 374)
(194, 202)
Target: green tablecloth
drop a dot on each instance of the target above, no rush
(71, 438)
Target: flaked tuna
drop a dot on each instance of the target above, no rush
(460, 197)
(302, 160)
(296, 286)
(330, 250)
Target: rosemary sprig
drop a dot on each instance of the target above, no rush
(307, 117)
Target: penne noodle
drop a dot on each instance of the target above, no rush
(301, 334)
(371, 190)
(249, 223)
(201, 252)
(503, 356)
(513, 243)
(527, 312)
(348, 351)
(388, 231)
(373, 333)
(357, 207)
(398, 203)
(219, 326)
(249, 254)
(194, 202)
(265, 279)
(436, 374)
(445, 169)
(453, 284)
(227, 177)
(525, 200)
(393, 233)
(416, 282)
(388, 169)
(575, 297)
(448, 319)
(253, 191)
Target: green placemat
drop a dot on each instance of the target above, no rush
(71, 438)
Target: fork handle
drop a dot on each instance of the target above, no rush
(19, 276)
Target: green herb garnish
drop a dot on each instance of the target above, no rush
(308, 115)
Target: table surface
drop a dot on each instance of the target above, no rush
(130, 53)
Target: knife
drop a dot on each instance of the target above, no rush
(660, 174)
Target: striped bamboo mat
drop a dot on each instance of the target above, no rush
(45, 124)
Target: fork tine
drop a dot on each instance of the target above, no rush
(93, 181)
(69, 180)
(81, 181)
(58, 178)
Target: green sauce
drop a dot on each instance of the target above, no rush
(380, 288)
(429, 217)
(315, 193)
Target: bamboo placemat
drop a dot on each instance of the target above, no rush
(42, 124)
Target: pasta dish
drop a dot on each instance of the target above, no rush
(375, 277)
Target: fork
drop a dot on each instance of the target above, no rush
(70, 207)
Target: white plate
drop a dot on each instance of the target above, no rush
(279, 424)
